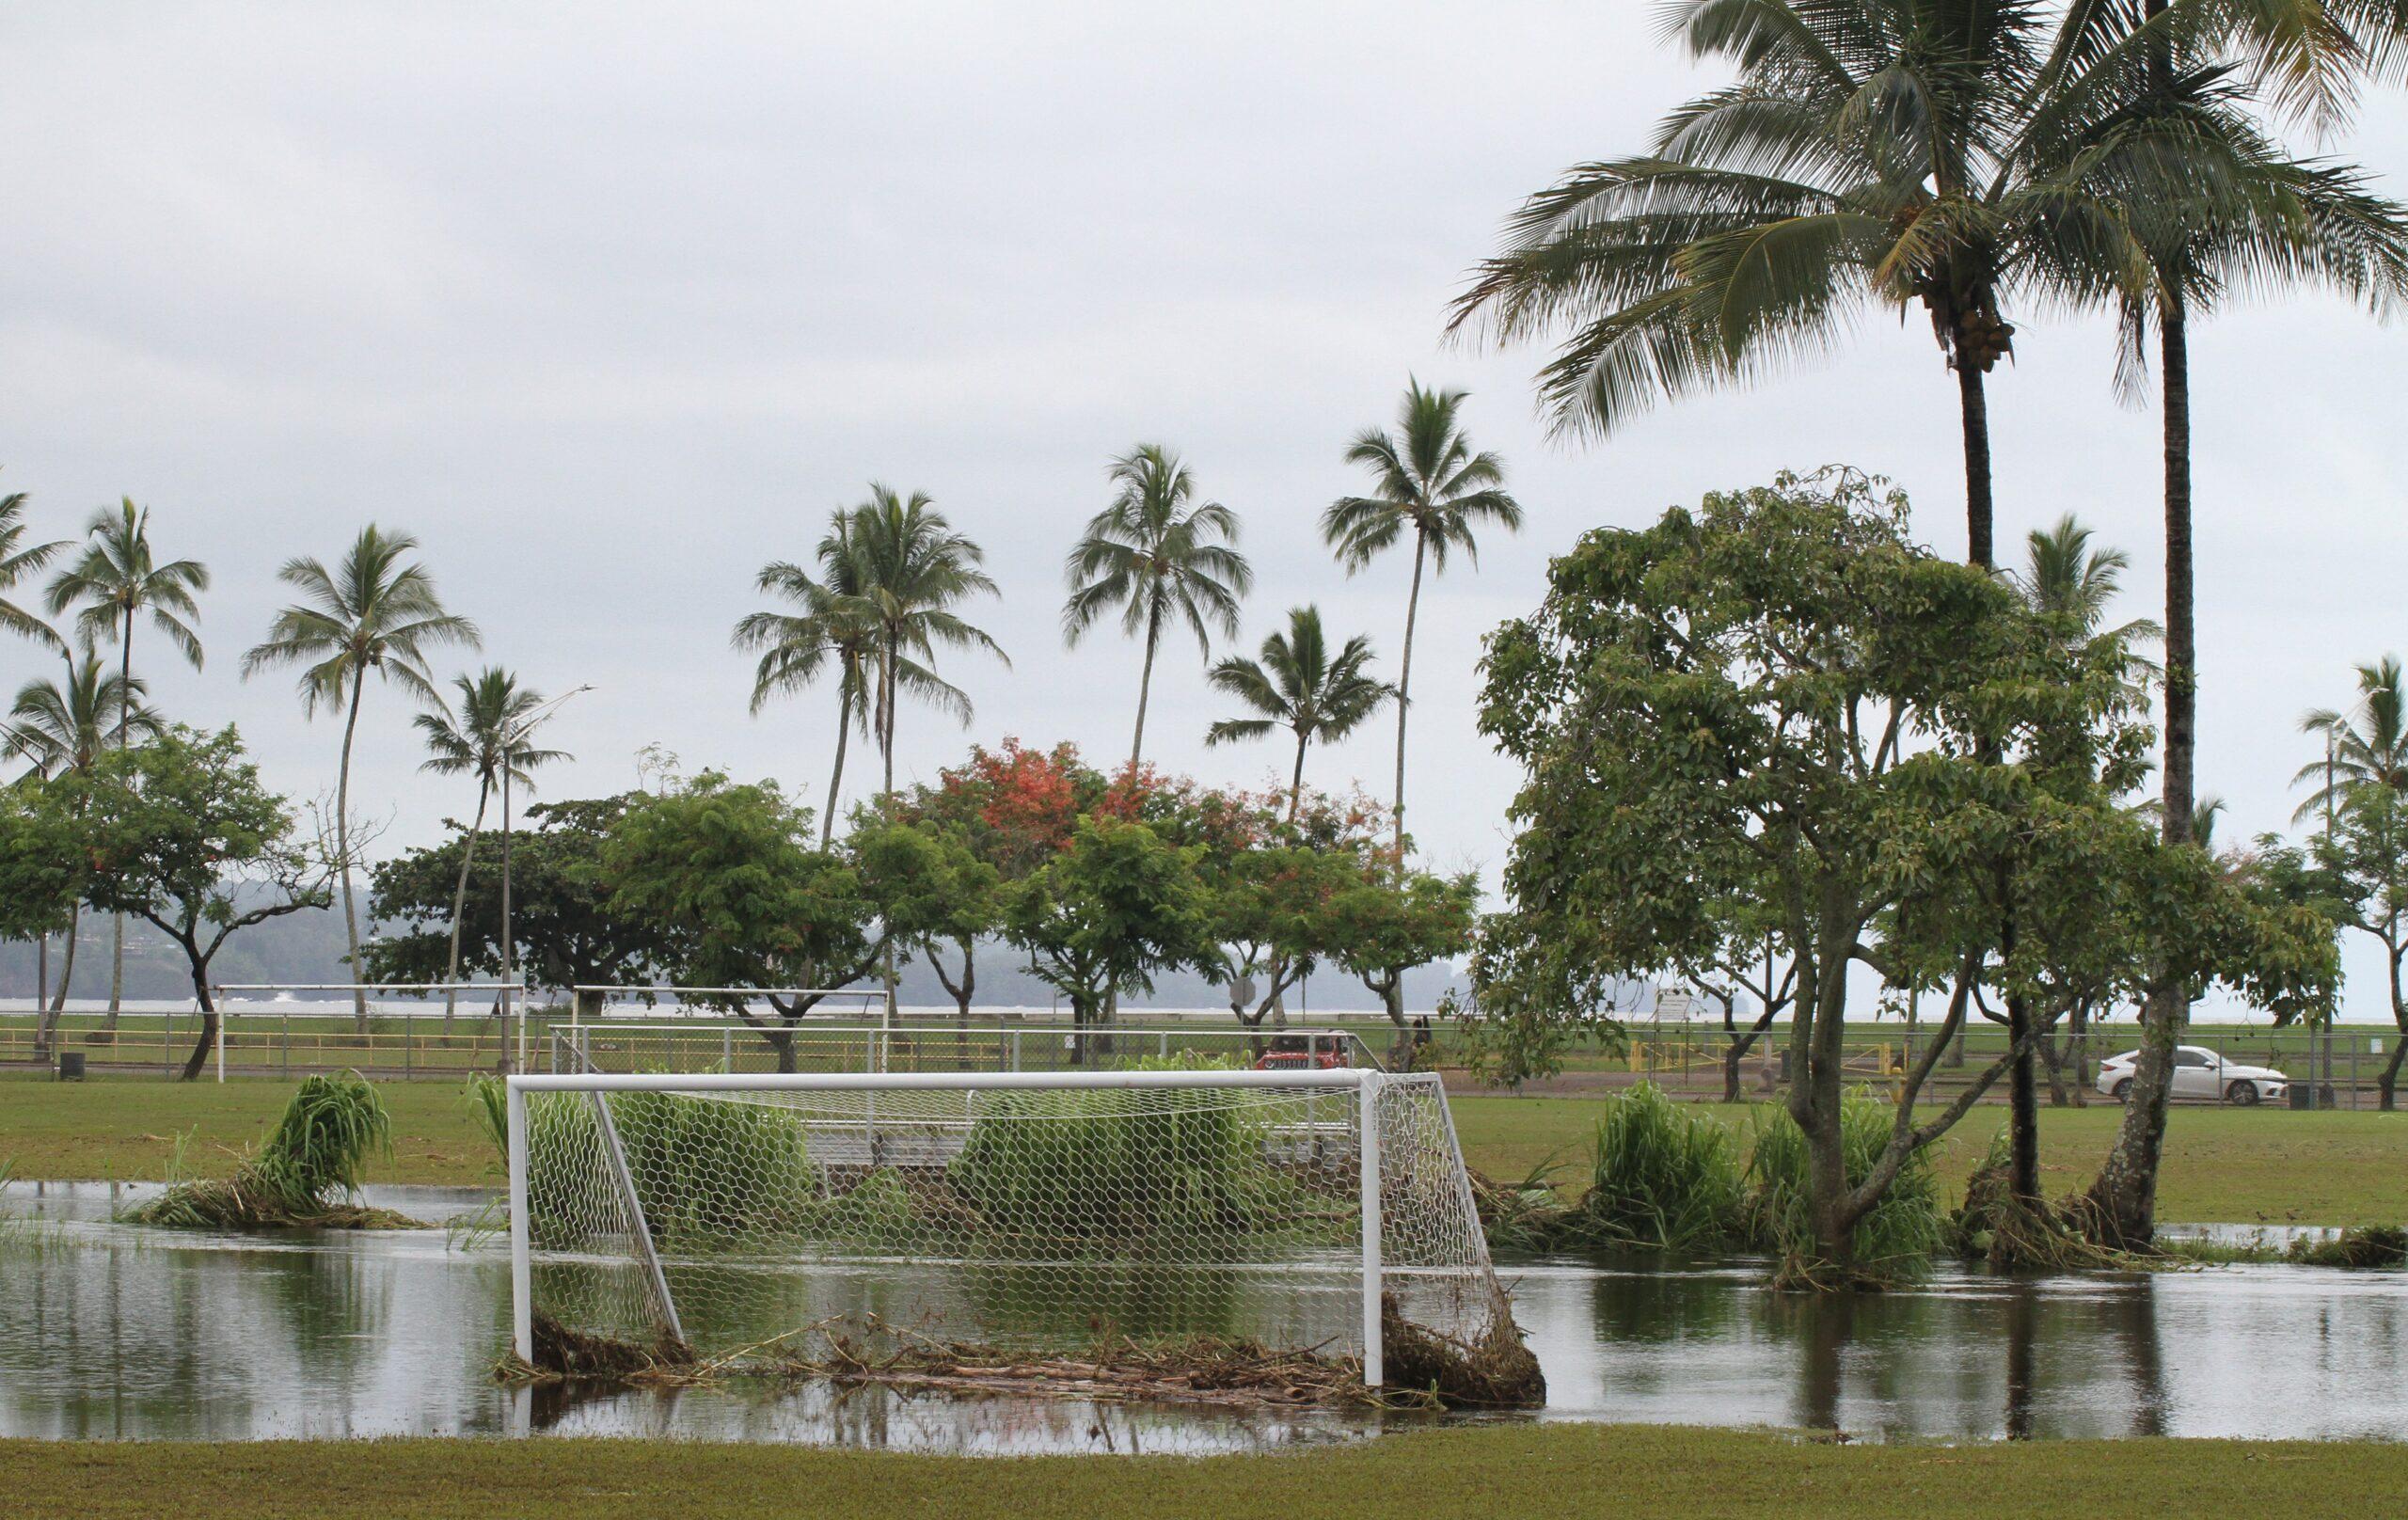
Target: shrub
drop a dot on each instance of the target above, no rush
(1053, 1170)
(2357, 1247)
(324, 1136)
(1661, 1175)
(1893, 1241)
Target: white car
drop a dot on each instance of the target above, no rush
(2199, 1072)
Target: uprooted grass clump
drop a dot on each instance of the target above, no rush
(1498, 1371)
(2360, 1248)
(2016, 1234)
(1661, 1175)
(308, 1160)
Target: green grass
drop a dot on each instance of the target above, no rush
(2247, 1166)
(2225, 1164)
(1642, 1473)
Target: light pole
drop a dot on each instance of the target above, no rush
(511, 739)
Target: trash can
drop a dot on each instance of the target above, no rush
(71, 1066)
(2303, 1095)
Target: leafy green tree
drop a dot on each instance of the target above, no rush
(1389, 922)
(115, 582)
(65, 727)
(567, 932)
(1271, 910)
(729, 874)
(1152, 554)
(182, 833)
(43, 875)
(1431, 484)
(376, 612)
(2356, 871)
(1781, 694)
(1300, 685)
(834, 625)
(2365, 747)
(1109, 911)
(489, 731)
(933, 894)
(17, 560)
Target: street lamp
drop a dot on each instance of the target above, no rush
(511, 739)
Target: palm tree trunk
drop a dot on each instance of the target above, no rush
(1145, 686)
(1403, 686)
(1974, 408)
(48, 1024)
(2124, 1198)
(124, 738)
(343, 848)
(1980, 549)
(886, 719)
(1296, 782)
(836, 777)
(460, 901)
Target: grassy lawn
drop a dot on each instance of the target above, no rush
(2227, 1164)
(1552, 1471)
(2265, 1165)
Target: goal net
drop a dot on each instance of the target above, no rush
(792, 1221)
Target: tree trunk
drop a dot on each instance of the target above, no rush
(886, 744)
(198, 1060)
(66, 960)
(459, 904)
(2387, 1081)
(1973, 405)
(125, 741)
(1296, 782)
(1145, 688)
(2124, 1198)
(343, 848)
(48, 1024)
(836, 777)
(1403, 682)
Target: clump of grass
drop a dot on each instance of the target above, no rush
(328, 1132)
(2014, 1234)
(1075, 1170)
(1895, 1240)
(1527, 1215)
(1661, 1175)
(708, 1173)
(2359, 1247)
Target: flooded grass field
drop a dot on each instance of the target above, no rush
(111, 1330)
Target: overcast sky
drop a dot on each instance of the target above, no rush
(609, 305)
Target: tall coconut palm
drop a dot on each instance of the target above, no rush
(1429, 481)
(2064, 577)
(832, 628)
(485, 733)
(375, 613)
(62, 727)
(912, 569)
(2366, 746)
(1299, 685)
(115, 583)
(17, 560)
(1152, 554)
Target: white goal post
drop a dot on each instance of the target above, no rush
(722, 1212)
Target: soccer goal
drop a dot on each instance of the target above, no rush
(721, 1218)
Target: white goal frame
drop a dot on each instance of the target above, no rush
(1367, 1086)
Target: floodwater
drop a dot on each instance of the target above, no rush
(117, 1330)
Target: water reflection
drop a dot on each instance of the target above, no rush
(116, 1331)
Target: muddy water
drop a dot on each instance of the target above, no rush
(111, 1330)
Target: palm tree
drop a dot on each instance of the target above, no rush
(833, 627)
(2365, 746)
(17, 560)
(371, 614)
(62, 727)
(1428, 481)
(1299, 685)
(912, 569)
(115, 581)
(1151, 554)
(2064, 577)
(487, 733)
